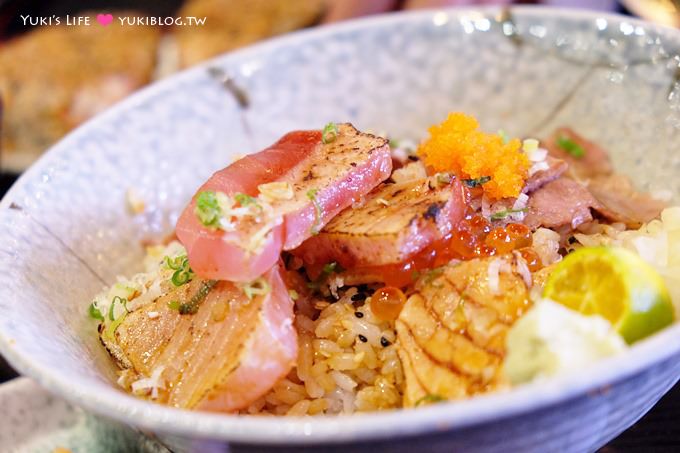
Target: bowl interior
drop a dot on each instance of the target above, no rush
(65, 229)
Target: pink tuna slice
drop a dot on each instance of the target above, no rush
(325, 178)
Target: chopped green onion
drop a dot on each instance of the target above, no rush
(174, 305)
(175, 263)
(443, 178)
(329, 268)
(191, 307)
(394, 143)
(330, 133)
(476, 182)
(258, 287)
(293, 294)
(529, 145)
(95, 313)
(571, 147)
(121, 301)
(183, 272)
(503, 214)
(430, 399)
(208, 209)
(180, 277)
(433, 273)
(111, 329)
(504, 136)
(311, 194)
(245, 200)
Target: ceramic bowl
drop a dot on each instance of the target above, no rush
(65, 231)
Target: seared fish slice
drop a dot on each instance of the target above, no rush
(395, 222)
(208, 345)
(451, 331)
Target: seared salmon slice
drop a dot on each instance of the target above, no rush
(451, 331)
(208, 345)
(316, 180)
(395, 222)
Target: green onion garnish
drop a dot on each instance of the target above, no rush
(294, 295)
(121, 301)
(95, 313)
(245, 200)
(433, 274)
(311, 194)
(504, 136)
(180, 277)
(476, 182)
(258, 287)
(430, 399)
(191, 307)
(443, 178)
(175, 263)
(183, 272)
(208, 209)
(503, 214)
(571, 147)
(329, 268)
(330, 133)
(111, 329)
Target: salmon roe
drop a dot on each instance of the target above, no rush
(387, 302)
(456, 145)
(475, 237)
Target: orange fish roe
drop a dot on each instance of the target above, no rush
(457, 146)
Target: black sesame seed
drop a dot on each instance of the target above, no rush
(363, 339)
(358, 314)
(359, 296)
(413, 158)
(384, 342)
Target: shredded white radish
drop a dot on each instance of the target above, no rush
(521, 202)
(519, 206)
(523, 269)
(546, 243)
(486, 207)
(494, 275)
(153, 383)
(538, 166)
(538, 155)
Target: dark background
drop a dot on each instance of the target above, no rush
(658, 431)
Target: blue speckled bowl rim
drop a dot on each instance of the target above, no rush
(371, 426)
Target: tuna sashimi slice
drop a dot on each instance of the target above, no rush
(223, 355)
(319, 180)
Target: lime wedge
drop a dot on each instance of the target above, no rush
(616, 284)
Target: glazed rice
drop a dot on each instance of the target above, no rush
(337, 372)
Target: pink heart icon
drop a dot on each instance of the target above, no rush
(104, 19)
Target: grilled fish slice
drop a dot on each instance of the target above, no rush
(395, 222)
(325, 179)
(451, 331)
(594, 161)
(223, 357)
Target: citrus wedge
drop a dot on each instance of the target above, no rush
(615, 284)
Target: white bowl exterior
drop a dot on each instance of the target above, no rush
(65, 230)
